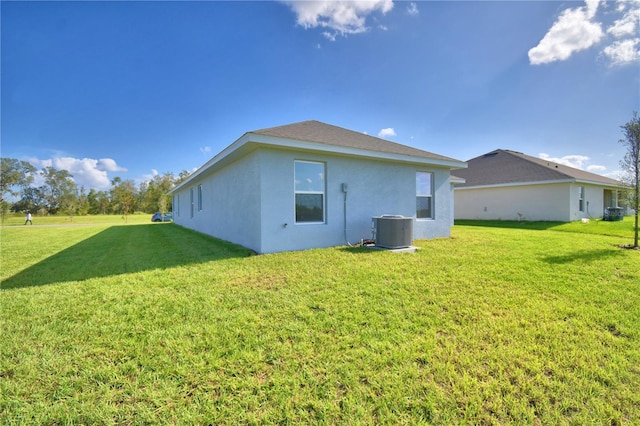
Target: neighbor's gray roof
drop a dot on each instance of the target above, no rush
(502, 167)
(318, 132)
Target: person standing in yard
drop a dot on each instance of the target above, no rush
(28, 219)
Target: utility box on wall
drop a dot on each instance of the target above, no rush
(393, 231)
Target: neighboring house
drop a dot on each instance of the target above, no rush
(311, 184)
(509, 185)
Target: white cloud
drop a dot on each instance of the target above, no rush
(623, 52)
(577, 162)
(574, 31)
(578, 29)
(338, 17)
(108, 165)
(595, 168)
(628, 24)
(87, 172)
(386, 133)
(206, 150)
(412, 9)
(149, 177)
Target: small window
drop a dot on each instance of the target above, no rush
(581, 198)
(199, 197)
(309, 189)
(424, 195)
(191, 201)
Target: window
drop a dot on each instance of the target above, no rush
(191, 201)
(581, 198)
(176, 205)
(309, 192)
(424, 195)
(199, 197)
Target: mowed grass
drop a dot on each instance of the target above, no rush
(155, 324)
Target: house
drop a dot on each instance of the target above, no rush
(509, 185)
(311, 184)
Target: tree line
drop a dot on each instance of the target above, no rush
(57, 192)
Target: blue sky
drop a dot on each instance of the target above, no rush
(132, 89)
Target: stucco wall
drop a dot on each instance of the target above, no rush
(252, 203)
(531, 202)
(548, 202)
(230, 203)
(374, 188)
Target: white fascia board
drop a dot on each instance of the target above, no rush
(512, 184)
(543, 182)
(222, 158)
(593, 182)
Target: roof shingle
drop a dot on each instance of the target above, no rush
(318, 132)
(502, 167)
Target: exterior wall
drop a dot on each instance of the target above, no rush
(527, 202)
(547, 202)
(593, 201)
(374, 188)
(230, 203)
(251, 202)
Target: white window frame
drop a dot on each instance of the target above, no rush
(323, 193)
(420, 194)
(200, 197)
(192, 201)
(581, 198)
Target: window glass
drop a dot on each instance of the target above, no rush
(309, 191)
(191, 200)
(309, 177)
(424, 195)
(423, 184)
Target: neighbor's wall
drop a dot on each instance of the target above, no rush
(230, 203)
(547, 202)
(593, 201)
(374, 188)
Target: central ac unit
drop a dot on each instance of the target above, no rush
(393, 231)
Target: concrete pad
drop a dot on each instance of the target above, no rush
(410, 249)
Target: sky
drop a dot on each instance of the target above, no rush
(135, 89)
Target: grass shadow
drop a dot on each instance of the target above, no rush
(513, 224)
(586, 256)
(123, 250)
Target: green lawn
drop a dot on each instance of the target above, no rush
(155, 324)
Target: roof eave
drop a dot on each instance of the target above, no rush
(250, 141)
(542, 182)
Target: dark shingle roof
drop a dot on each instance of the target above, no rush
(318, 132)
(502, 167)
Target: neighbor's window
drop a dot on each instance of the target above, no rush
(581, 198)
(424, 195)
(309, 192)
(199, 197)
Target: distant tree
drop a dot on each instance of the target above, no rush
(631, 165)
(182, 177)
(123, 196)
(15, 175)
(99, 202)
(82, 208)
(32, 200)
(60, 191)
(159, 188)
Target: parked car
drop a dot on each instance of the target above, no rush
(161, 217)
